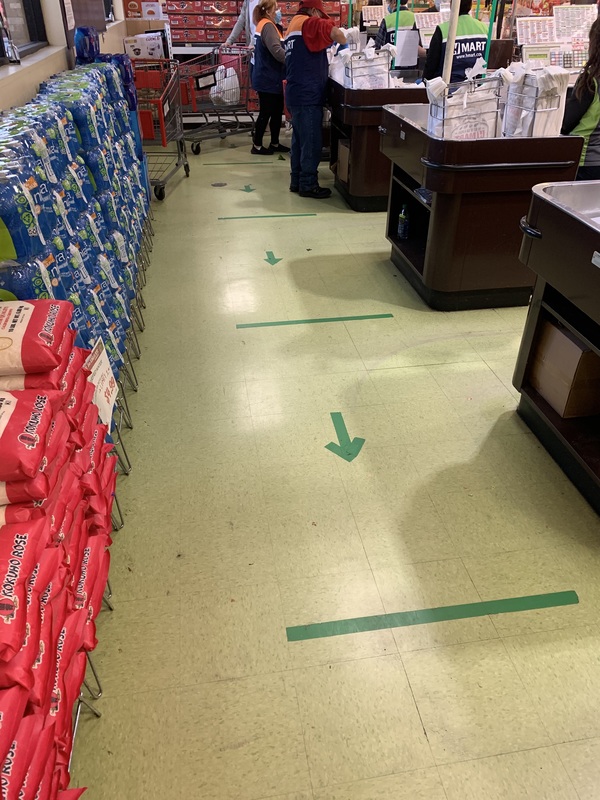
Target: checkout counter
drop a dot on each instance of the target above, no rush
(464, 200)
(558, 367)
(362, 172)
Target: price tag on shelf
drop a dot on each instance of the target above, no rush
(105, 394)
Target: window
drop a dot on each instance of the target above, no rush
(25, 23)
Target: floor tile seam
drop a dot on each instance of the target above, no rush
(556, 750)
(362, 543)
(454, 398)
(393, 773)
(442, 764)
(297, 410)
(442, 646)
(533, 702)
(418, 710)
(303, 725)
(423, 364)
(441, 782)
(354, 345)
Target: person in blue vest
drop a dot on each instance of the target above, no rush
(267, 78)
(308, 36)
(471, 39)
(582, 111)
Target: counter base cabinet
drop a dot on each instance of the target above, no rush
(561, 247)
(465, 199)
(356, 115)
(453, 260)
(573, 443)
(365, 186)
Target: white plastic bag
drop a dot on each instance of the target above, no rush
(227, 88)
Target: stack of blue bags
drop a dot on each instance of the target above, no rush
(74, 201)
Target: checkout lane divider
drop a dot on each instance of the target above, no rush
(281, 322)
(424, 616)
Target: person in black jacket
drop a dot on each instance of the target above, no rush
(471, 39)
(582, 111)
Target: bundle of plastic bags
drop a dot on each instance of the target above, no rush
(535, 100)
(470, 110)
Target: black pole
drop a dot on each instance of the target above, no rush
(501, 18)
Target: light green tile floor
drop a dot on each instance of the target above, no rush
(240, 523)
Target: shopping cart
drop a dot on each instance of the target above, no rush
(216, 95)
(161, 121)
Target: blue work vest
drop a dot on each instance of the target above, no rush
(306, 73)
(267, 73)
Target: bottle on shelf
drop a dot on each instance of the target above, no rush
(403, 224)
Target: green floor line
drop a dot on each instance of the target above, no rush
(310, 321)
(403, 619)
(269, 216)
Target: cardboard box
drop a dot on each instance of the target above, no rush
(145, 45)
(186, 21)
(565, 373)
(140, 9)
(343, 162)
(184, 7)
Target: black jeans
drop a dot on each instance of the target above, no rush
(270, 113)
(591, 173)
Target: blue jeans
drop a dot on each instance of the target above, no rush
(307, 122)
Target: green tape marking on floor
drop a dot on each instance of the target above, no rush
(237, 163)
(269, 216)
(310, 321)
(403, 619)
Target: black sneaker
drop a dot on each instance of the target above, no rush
(319, 193)
(261, 151)
(279, 148)
(294, 189)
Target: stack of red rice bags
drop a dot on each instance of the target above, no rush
(57, 481)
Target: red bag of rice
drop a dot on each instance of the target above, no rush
(19, 756)
(20, 668)
(53, 612)
(95, 602)
(12, 707)
(19, 512)
(44, 790)
(71, 794)
(58, 434)
(74, 677)
(75, 362)
(77, 401)
(70, 639)
(40, 760)
(20, 548)
(25, 491)
(43, 380)
(24, 423)
(31, 334)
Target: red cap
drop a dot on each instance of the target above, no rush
(318, 4)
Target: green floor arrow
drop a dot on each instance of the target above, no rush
(270, 259)
(248, 188)
(347, 448)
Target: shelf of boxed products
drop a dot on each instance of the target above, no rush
(202, 21)
(336, 11)
(210, 22)
(73, 211)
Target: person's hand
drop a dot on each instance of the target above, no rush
(353, 35)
